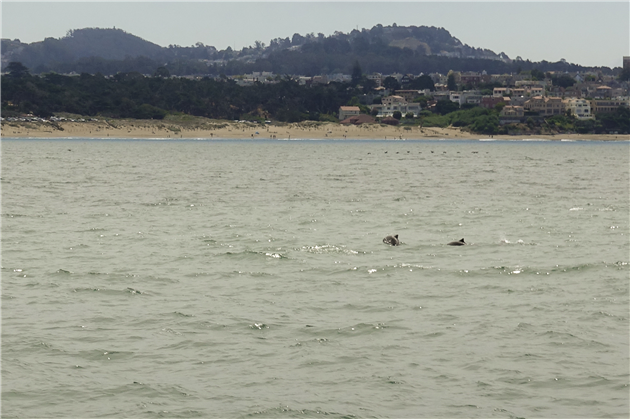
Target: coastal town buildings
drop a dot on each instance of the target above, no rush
(545, 106)
(592, 93)
(377, 78)
(580, 108)
(410, 95)
(609, 105)
(395, 103)
(465, 97)
(501, 91)
(489, 102)
(348, 111)
(511, 115)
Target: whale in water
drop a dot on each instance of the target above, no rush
(393, 240)
(457, 243)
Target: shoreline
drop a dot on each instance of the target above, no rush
(215, 129)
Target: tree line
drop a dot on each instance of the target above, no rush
(132, 95)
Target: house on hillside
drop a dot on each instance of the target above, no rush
(511, 115)
(599, 106)
(348, 111)
(395, 103)
(470, 78)
(377, 78)
(513, 111)
(489, 102)
(500, 91)
(603, 92)
(467, 96)
(408, 95)
(581, 108)
(545, 105)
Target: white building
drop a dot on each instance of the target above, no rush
(469, 96)
(581, 108)
(394, 103)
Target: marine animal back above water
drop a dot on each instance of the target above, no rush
(392, 240)
(461, 242)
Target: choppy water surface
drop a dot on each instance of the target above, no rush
(248, 279)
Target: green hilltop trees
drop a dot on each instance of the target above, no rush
(131, 95)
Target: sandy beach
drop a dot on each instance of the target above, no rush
(201, 128)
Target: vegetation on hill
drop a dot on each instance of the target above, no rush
(487, 121)
(383, 49)
(131, 95)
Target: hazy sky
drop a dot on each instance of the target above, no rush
(586, 33)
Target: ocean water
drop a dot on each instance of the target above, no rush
(248, 279)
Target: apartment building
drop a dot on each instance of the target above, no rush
(468, 96)
(395, 103)
(511, 115)
(608, 105)
(545, 105)
(513, 111)
(501, 91)
(603, 92)
(581, 108)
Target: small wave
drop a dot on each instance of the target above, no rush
(389, 268)
(327, 248)
(179, 314)
(575, 268)
(104, 355)
(506, 241)
(362, 329)
(249, 253)
(516, 270)
(564, 338)
(524, 270)
(284, 411)
(254, 274)
(106, 291)
(275, 255)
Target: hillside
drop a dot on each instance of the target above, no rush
(384, 49)
(111, 44)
